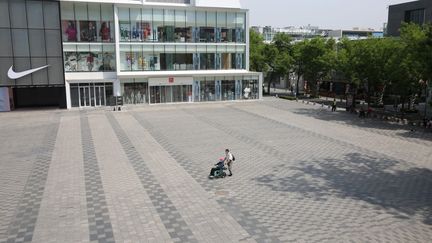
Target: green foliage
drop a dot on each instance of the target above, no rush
(372, 66)
(256, 52)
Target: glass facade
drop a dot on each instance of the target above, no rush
(169, 25)
(155, 39)
(226, 88)
(87, 22)
(91, 94)
(167, 57)
(88, 37)
(134, 91)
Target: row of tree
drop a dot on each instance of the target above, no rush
(376, 66)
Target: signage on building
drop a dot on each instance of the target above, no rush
(163, 81)
(16, 75)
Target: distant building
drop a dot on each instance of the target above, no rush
(419, 12)
(297, 33)
(356, 34)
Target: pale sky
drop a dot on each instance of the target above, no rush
(332, 14)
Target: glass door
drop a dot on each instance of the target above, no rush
(84, 93)
(99, 95)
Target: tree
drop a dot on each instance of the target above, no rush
(277, 58)
(315, 60)
(256, 52)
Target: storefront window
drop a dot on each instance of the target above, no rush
(158, 25)
(167, 58)
(156, 62)
(183, 59)
(137, 58)
(202, 59)
(146, 25)
(168, 28)
(125, 62)
(85, 58)
(191, 30)
(211, 57)
(211, 27)
(180, 31)
(240, 27)
(134, 91)
(250, 88)
(82, 22)
(207, 90)
(221, 30)
(240, 57)
(231, 27)
(201, 25)
(228, 89)
(124, 24)
(136, 25)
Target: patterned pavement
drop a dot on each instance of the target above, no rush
(302, 174)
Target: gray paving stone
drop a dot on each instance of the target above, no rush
(96, 202)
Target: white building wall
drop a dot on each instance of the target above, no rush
(218, 3)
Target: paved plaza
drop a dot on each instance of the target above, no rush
(302, 174)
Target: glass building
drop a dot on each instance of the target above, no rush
(151, 52)
(78, 53)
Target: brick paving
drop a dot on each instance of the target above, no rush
(302, 174)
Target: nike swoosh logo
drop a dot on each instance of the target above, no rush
(16, 75)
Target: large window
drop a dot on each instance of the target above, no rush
(89, 58)
(134, 91)
(226, 88)
(176, 25)
(87, 22)
(135, 57)
(415, 16)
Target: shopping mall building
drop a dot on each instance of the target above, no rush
(73, 53)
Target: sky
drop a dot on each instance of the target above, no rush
(332, 14)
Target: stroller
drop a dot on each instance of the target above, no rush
(218, 170)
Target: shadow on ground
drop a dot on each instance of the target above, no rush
(354, 120)
(403, 193)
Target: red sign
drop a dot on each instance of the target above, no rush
(171, 79)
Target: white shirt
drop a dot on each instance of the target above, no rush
(228, 157)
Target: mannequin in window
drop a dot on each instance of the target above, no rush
(71, 31)
(105, 32)
(247, 91)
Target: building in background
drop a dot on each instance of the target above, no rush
(355, 34)
(419, 12)
(148, 52)
(297, 33)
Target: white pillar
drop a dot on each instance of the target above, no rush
(116, 87)
(68, 96)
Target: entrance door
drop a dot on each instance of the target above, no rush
(84, 97)
(99, 95)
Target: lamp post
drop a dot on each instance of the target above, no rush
(426, 98)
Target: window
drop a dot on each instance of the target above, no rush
(136, 25)
(415, 16)
(158, 18)
(146, 25)
(168, 28)
(180, 31)
(222, 30)
(124, 24)
(82, 22)
(191, 30)
(231, 27)
(89, 58)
